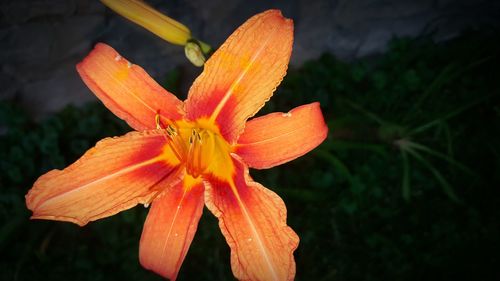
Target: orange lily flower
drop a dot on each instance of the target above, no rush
(187, 154)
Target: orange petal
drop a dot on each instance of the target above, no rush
(170, 227)
(126, 89)
(115, 175)
(253, 220)
(277, 138)
(243, 73)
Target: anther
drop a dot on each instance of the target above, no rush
(175, 143)
(171, 131)
(157, 120)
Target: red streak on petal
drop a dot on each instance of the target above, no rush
(208, 107)
(225, 120)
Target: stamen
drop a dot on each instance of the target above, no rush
(189, 165)
(193, 158)
(200, 156)
(194, 149)
(175, 143)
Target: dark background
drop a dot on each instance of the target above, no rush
(406, 187)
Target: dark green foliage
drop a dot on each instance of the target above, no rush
(406, 187)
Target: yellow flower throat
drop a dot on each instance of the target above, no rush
(199, 147)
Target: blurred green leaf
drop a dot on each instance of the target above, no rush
(346, 200)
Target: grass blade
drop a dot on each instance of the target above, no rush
(339, 145)
(413, 145)
(336, 163)
(448, 190)
(446, 75)
(447, 116)
(406, 175)
(367, 113)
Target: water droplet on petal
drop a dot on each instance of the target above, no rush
(249, 239)
(146, 205)
(288, 114)
(129, 64)
(176, 234)
(118, 58)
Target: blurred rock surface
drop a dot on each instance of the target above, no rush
(42, 40)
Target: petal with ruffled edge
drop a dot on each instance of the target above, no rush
(170, 227)
(253, 220)
(277, 138)
(243, 73)
(127, 90)
(115, 175)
